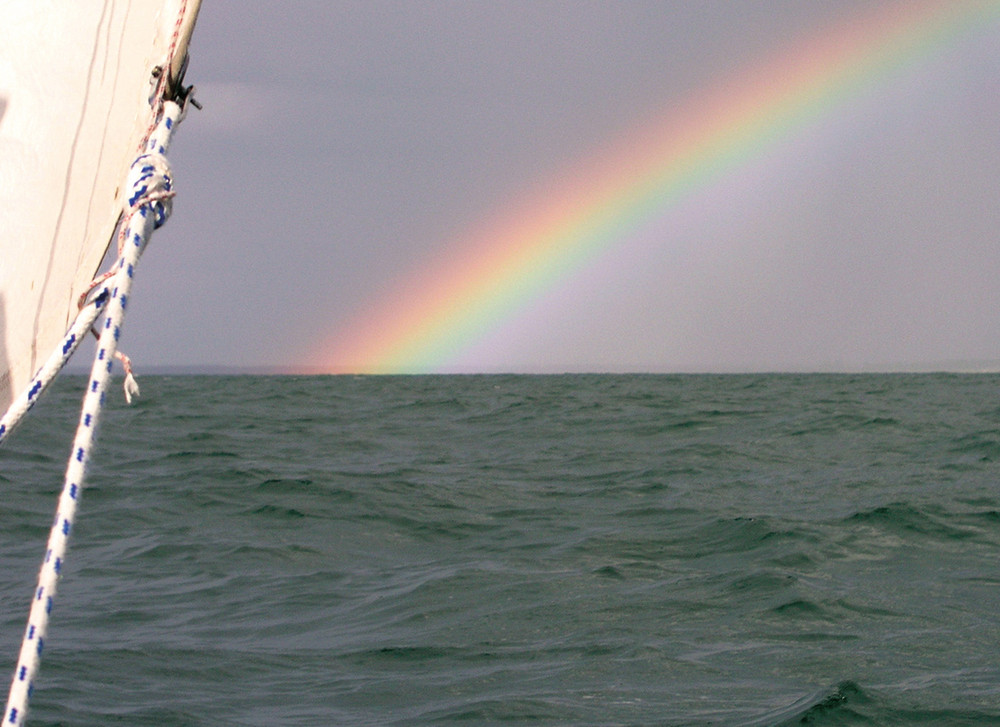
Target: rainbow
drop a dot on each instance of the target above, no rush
(453, 302)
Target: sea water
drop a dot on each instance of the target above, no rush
(554, 550)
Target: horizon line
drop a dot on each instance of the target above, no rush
(973, 366)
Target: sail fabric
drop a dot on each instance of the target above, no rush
(76, 83)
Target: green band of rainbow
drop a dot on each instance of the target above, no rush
(454, 302)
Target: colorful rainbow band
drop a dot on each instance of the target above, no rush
(455, 301)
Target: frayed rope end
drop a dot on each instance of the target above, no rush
(131, 387)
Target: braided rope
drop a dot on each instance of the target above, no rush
(150, 166)
(149, 206)
(54, 364)
(161, 92)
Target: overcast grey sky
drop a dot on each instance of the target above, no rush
(344, 144)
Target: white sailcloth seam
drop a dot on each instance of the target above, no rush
(149, 206)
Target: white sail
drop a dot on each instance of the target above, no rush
(75, 88)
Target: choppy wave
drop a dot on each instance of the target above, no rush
(580, 550)
(848, 703)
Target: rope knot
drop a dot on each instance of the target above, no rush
(151, 186)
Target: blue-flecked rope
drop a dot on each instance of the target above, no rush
(149, 206)
(54, 364)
